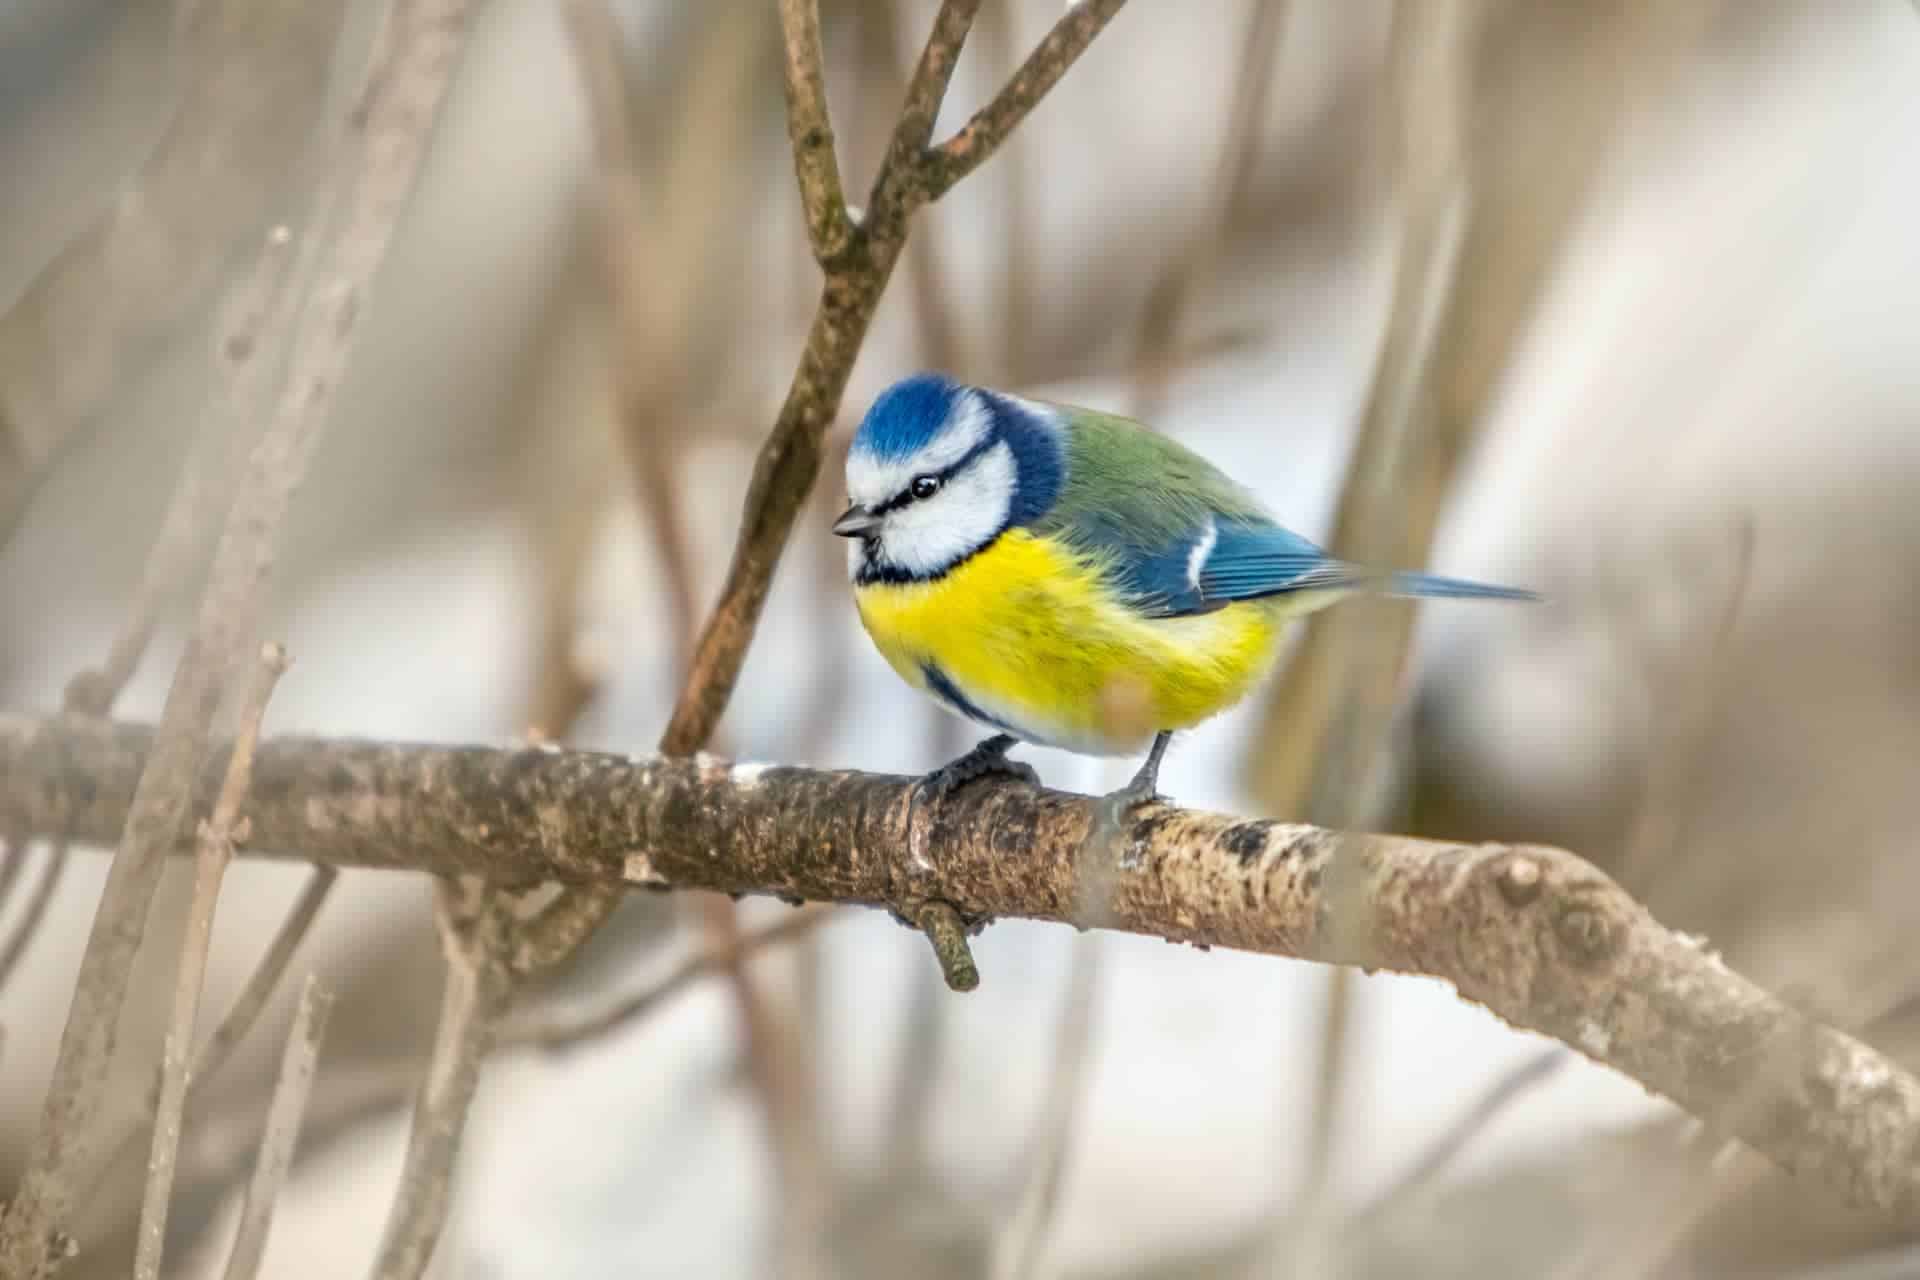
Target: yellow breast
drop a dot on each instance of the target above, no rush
(1027, 636)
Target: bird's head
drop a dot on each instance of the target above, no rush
(938, 471)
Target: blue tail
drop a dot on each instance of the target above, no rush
(1428, 584)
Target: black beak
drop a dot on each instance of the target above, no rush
(856, 522)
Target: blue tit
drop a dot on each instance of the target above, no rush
(1071, 578)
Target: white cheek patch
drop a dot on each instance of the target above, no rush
(925, 538)
(871, 481)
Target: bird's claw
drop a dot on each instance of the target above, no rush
(1143, 790)
(988, 759)
(1119, 805)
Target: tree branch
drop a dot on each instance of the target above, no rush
(369, 185)
(894, 190)
(556, 1032)
(970, 148)
(212, 856)
(789, 461)
(829, 228)
(475, 924)
(290, 1093)
(1537, 935)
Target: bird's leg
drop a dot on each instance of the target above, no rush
(988, 757)
(1145, 787)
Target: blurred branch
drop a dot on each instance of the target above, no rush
(1538, 936)
(289, 1103)
(1689, 688)
(558, 1032)
(13, 861)
(1329, 713)
(781, 1069)
(218, 833)
(829, 227)
(257, 73)
(1492, 164)
(247, 1008)
(475, 926)
(1337, 696)
(1019, 234)
(1193, 267)
(1509, 1088)
(655, 260)
(370, 184)
(34, 914)
(261, 303)
(1019, 1252)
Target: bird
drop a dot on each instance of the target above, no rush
(1074, 579)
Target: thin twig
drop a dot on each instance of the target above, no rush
(926, 90)
(1333, 1060)
(34, 914)
(1509, 1088)
(266, 978)
(244, 132)
(1020, 1251)
(782, 1076)
(373, 182)
(655, 262)
(829, 227)
(1193, 267)
(948, 936)
(561, 1032)
(882, 83)
(13, 861)
(252, 1001)
(1339, 697)
(260, 304)
(218, 835)
(656, 254)
(474, 927)
(974, 144)
(284, 1114)
(789, 461)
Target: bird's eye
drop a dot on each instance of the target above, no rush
(924, 486)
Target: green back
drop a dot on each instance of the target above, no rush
(1127, 486)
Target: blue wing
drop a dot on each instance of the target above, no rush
(1220, 561)
(1227, 560)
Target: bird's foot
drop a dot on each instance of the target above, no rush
(985, 760)
(1143, 790)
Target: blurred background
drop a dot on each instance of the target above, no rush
(1612, 299)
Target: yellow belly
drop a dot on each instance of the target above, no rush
(1035, 644)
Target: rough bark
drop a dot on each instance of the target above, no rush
(1537, 935)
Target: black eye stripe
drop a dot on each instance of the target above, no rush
(941, 476)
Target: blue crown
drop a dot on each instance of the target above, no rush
(906, 416)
